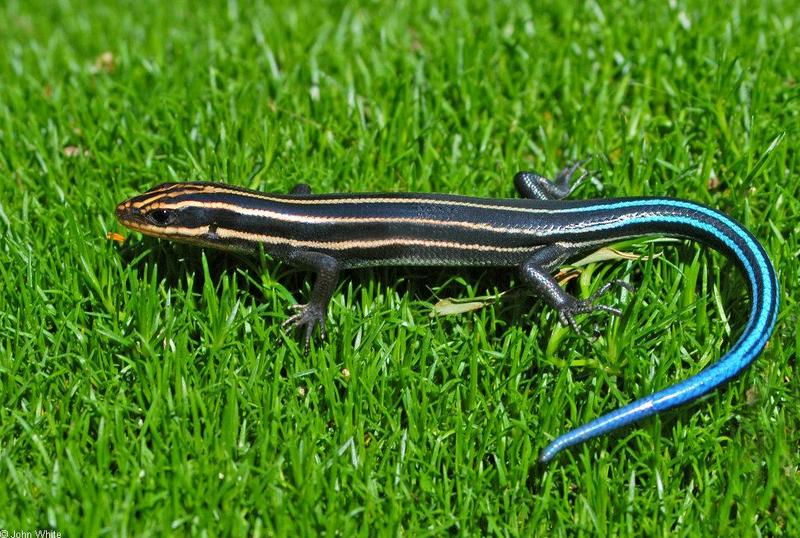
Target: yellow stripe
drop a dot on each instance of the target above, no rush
(355, 199)
(180, 232)
(155, 195)
(308, 219)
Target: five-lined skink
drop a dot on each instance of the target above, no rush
(330, 232)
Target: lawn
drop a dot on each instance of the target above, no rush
(148, 387)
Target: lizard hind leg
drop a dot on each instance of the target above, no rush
(536, 273)
(537, 187)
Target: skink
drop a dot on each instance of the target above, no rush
(330, 232)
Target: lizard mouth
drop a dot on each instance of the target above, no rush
(126, 213)
(132, 217)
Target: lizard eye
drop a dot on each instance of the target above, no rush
(160, 217)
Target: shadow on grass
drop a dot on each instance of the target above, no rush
(423, 283)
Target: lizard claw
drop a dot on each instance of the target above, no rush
(567, 313)
(308, 316)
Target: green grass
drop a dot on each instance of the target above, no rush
(148, 387)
